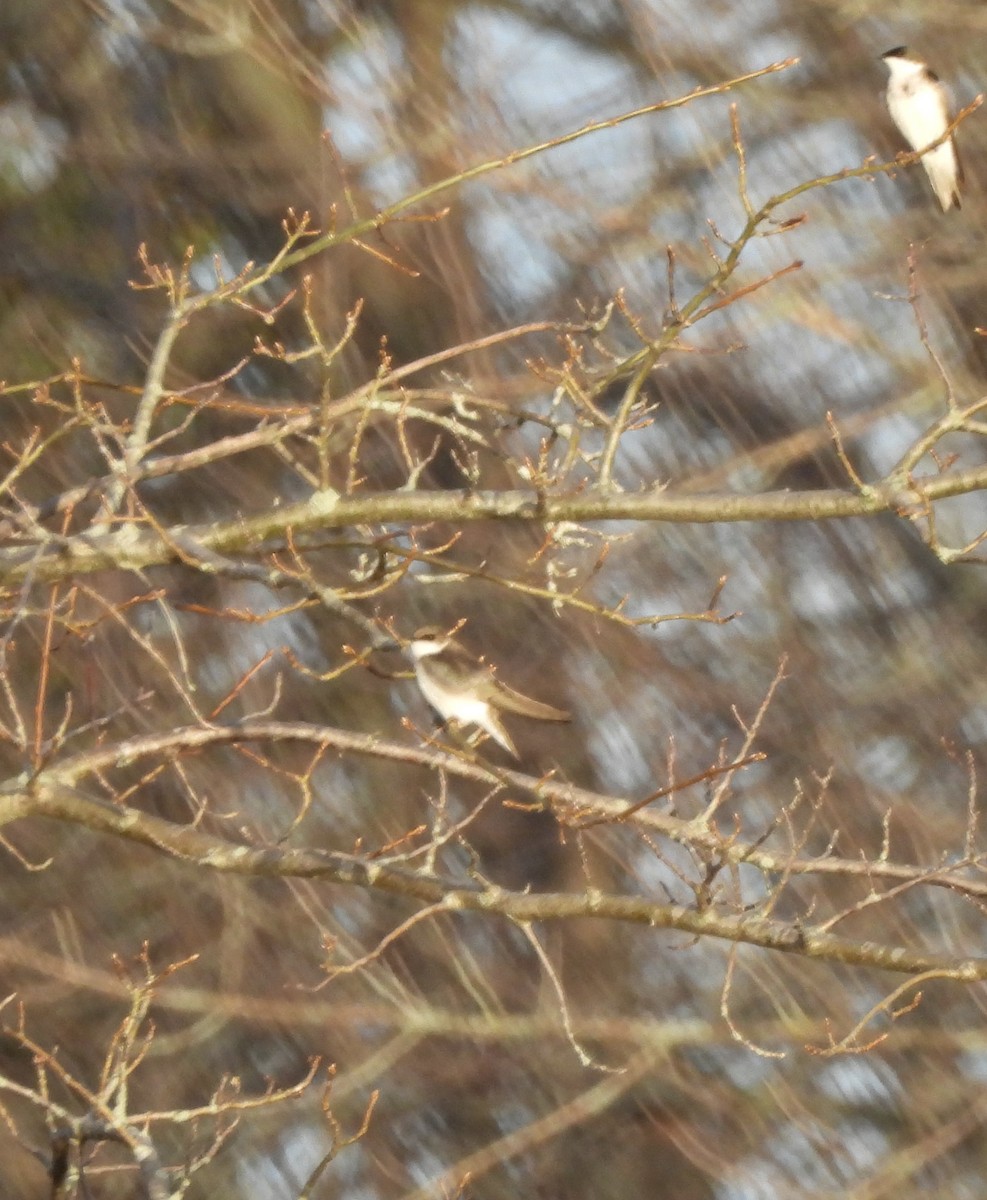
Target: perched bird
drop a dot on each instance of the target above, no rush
(919, 106)
(462, 688)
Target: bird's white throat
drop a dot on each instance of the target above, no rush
(421, 648)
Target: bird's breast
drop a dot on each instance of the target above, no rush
(450, 703)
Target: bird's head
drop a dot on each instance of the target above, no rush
(428, 640)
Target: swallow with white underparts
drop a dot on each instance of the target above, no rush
(464, 689)
(919, 106)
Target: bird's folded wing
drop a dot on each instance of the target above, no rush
(513, 701)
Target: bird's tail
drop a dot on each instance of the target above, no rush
(945, 174)
(494, 726)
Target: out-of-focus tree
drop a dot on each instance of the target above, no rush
(616, 343)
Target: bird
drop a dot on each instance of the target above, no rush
(465, 689)
(919, 106)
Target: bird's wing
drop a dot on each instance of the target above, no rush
(466, 674)
(507, 698)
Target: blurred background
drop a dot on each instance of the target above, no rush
(172, 123)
